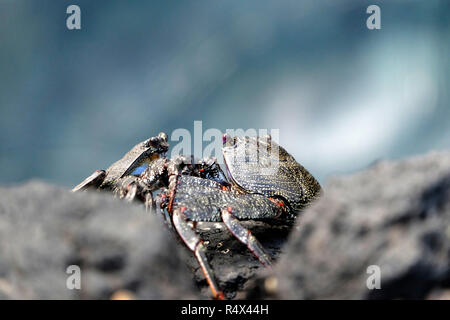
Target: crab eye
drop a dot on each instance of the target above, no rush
(227, 140)
(163, 136)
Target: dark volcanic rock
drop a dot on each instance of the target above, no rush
(119, 247)
(231, 261)
(395, 215)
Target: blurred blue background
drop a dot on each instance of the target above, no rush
(342, 96)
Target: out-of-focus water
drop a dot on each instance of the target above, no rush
(342, 96)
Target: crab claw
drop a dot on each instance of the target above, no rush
(158, 143)
(94, 179)
(163, 136)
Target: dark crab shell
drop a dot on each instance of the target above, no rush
(143, 153)
(260, 165)
(203, 200)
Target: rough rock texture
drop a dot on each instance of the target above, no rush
(121, 250)
(395, 215)
(231, 261)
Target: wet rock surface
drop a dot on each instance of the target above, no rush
(394, 215)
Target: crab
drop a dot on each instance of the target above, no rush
(262, 181)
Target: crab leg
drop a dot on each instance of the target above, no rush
(131, 194)
(149, 202)
(161, 204)
(195, 244)
(95, 179)
(245, 236)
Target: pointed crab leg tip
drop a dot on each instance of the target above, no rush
(94, 179)
(220, 296)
